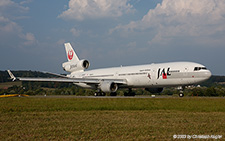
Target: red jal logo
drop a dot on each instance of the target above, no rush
(163, 73)
(70, 54)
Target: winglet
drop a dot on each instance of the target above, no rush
(11, 75)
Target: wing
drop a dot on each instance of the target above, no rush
(67, 80)
(59, 75)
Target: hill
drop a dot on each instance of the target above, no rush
(214, 80)
(4, 76)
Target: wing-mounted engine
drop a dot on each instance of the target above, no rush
(107, 86)
(154, 90)
(71, 66)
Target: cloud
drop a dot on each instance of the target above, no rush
(26, 1)
(61, 42)
(75, 32)
(201, 21)
(83, 9)
(8, 26)
(9, 29)
(29, 39)
(5, 3)
(132, 44)
(12, 6)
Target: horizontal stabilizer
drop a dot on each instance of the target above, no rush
(63, 76)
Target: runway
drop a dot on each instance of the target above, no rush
(125, 97)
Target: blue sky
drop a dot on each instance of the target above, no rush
(111, 33)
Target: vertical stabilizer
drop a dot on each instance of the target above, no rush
(70, 53)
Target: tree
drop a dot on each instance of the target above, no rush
(211, 91)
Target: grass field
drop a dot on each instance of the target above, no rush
(10, 84)
(110, 118)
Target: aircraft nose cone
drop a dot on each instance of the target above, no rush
(208, 74)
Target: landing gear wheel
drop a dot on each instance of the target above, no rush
(103, 94)
(181, 95)
(99, 94)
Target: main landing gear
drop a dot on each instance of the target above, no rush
(99, 93)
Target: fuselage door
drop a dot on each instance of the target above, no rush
(185, 71)
(152, 76)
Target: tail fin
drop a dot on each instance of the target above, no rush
(70, 53)
(74, 64)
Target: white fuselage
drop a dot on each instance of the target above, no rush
(153, 77)
(150, 76)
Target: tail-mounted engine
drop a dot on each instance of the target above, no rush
(71, 66)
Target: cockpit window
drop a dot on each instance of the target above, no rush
(200, 68)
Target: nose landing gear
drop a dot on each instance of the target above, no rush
(181, 93)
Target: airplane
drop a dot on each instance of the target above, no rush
(153, 77)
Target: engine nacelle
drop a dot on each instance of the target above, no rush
(154, 90)
(75, 66)
(108, 86)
